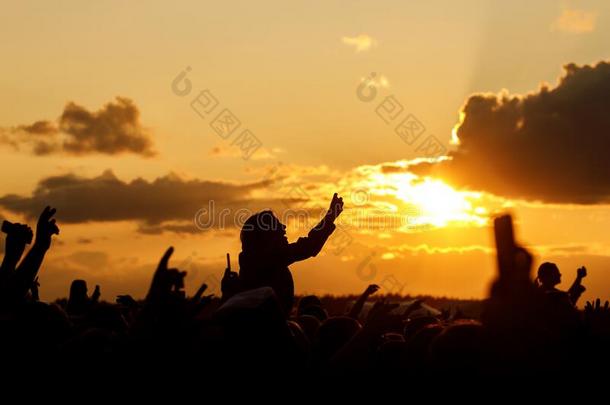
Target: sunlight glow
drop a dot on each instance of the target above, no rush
(440, 204)
(427, 202)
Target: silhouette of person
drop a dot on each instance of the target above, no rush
(79, 302)
(549, 276)
(266, 253)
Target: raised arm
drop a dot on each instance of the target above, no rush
(577, 288)
(311, 245)
(25, 274)
(17, 237)
(357, 308)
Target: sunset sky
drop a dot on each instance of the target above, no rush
(510, 100)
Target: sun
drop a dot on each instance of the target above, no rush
(411, 203)
(438, 204)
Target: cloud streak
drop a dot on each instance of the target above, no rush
(575, 21)
(361, 43)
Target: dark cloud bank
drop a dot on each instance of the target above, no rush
(552, 145)
(166, 204)
(107, 198)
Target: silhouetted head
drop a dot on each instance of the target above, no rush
(315, 311)
(78, 290)
(549, 275)
(261, 231)
(306, 302)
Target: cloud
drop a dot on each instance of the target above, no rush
(361, 42)
(223, 151)
(550, 146)
(39, 128)
(113, 129)
(432, 250)
(575, 21)
(165, 200)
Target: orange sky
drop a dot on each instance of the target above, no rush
(289, 72)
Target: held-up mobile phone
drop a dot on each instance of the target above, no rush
(505, 244)
(228, 261)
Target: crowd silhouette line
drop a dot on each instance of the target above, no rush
(527, 328)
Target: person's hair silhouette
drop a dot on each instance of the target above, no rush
(78, 301)
(549, 275)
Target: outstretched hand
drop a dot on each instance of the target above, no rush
(46, 228)
(336, 207)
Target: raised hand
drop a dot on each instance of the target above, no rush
(17, 237)
(95, 297)
(166, 282)
(597, 318)
(371, 289)
(359, 304)
(336, 207)
(581, 272)
(198, 301)
(230, 284)
(29, 266)
(514, 261)
(576, 289)
(595, 308)
(199, 293)
(46, 228)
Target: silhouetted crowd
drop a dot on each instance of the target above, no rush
(527, 328)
